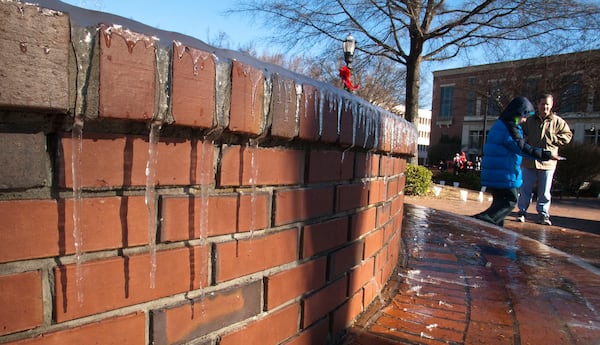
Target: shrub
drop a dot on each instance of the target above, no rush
(468, 179)
(418, 180)
(582, 164)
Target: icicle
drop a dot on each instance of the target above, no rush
(338, 103)
(283, 96)
(391, 133)
(254, 175)
(376, 130)
(204, 197)
(76, 156)
(368, 164)
(151, 196)
(354, 124)
(321, 109)
(255, 84)
(203, 194)
(205, 178)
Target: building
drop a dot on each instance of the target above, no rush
(424, 130)
(423, 124)
(467, 101)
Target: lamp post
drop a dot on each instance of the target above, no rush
(348, 45)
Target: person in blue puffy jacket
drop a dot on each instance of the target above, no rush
(502, 156)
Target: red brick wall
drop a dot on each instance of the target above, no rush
(273, 224)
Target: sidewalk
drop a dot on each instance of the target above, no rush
(464, 281)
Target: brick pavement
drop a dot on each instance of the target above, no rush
(466, 282)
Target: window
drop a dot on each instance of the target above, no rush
(471, 97)
(570, 95)
(447, 93)
(591, 136)
(475, 140)
(495, 97)
(531, 89)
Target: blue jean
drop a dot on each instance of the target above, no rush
(544, 184)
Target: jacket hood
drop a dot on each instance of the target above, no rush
(519, 106)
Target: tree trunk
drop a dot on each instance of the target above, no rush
(413, 84)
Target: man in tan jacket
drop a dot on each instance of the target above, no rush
(547, 130)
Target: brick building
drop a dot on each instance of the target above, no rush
(467, 101)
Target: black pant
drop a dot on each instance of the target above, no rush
(502, 205)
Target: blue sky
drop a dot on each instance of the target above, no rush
(200, 19)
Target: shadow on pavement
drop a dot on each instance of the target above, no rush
(585, 225)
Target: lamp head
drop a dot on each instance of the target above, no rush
(349, 45)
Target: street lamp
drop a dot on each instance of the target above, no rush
(349, 45)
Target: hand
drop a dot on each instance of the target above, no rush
(558, 158)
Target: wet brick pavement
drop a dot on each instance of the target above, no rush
(467, 282)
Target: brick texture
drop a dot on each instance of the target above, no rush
(292, 283)
(324, 236)
(272, 329)
(247, 90)
(330, 166)
(329, 105)
(26, 237)
(344, 259)
(283, 108)
(308, 118)
(206, 314)
(348, 124)
(313, 335)
(35, 52)
(362, 222)
(106, 223)
(352, 196)
(20, 302)
(117, 282)
(366, 165)
(127, 74)
(362, 274)
(194, 87)
(301, 204)
(24, 160)
(247, 166)
(131, 330)
(242, 257)
(183, 217)
(343, 317)
(373, 243)
(111, 160)
(324, 301)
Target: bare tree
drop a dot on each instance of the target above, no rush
(410, 32)
(381, 81)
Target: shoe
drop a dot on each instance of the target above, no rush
(545, 220)
(521, 217)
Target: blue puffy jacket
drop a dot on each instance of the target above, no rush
(501, 164)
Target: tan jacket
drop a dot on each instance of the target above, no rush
(549, 133)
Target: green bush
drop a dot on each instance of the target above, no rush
(468, 179)
(418, 180)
